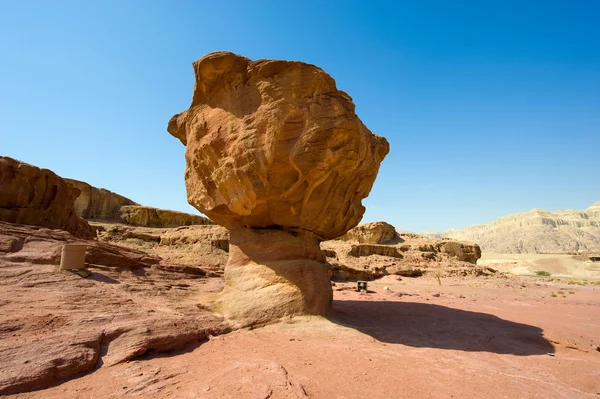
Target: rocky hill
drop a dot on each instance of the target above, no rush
(97, 203)
(536, 231)
(38, 197)
(373, 250)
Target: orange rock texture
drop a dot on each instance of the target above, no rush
(39, 197)
(275, 145)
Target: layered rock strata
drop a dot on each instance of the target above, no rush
(407, 255)
(153, 217)
(39, 197)
(97, 203)
(536, 231)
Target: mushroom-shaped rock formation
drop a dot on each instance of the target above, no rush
(276, 154)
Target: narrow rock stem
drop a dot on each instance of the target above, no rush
(272, 274)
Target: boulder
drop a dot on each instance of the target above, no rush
(276, 154)
(153, 217)
(39, 197)
(464, 251)
(97, 203)
(372, 233)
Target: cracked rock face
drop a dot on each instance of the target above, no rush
(38, 197)
(274, 145)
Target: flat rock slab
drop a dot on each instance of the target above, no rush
(55, 325)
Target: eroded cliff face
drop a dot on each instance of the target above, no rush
(537, 231)
(276, 154)
(98, 203)
(39, 197)
(153, 217)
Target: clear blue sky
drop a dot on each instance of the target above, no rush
(490, 107)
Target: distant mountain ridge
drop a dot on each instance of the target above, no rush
(536, 231)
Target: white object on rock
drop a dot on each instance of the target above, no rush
(72, 256)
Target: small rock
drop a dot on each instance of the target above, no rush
(85, 273)
(437, 295)
(386, 288)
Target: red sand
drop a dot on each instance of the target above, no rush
(480, 338)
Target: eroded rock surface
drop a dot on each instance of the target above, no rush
(274, 150)
(372, 233)
(464, 251)
(408, 255)
(97, 203)
(55, 325)
(22, 243)
(39, 197)
(206, 246)
(153, 217)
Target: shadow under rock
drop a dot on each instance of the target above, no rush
(101, 278)
(423, 325)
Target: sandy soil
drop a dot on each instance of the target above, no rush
(561, 265)
(468, 338)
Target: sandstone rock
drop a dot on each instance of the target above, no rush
(97, 203)
(367, 249)
(411, 256)
(38, 197)
(372, 233)
(217, 236)
(153, 217)
(198, 245)
(274, 145)
(55, 325)
(271, 274)
(467, 252)
(102, 205)
(355, 272)
(21, 243)
(35, 364)
(122, 233)
(536, 231)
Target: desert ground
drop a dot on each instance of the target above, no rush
(505, 336)
(558, 265)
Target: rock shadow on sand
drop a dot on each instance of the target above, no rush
(423, 325)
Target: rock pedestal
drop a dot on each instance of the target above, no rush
(276, 154)
(272, 274)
